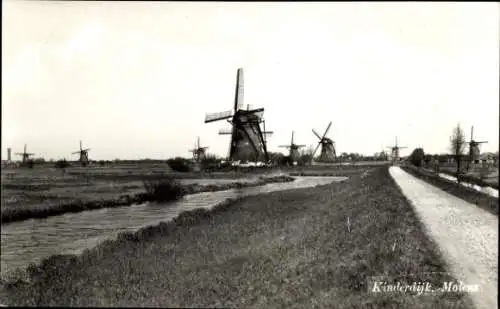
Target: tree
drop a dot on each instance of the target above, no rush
(427, 160)
(305, 156)
(457, 147)
(416, 157)
(62, 164)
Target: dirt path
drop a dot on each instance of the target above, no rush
(466, 235)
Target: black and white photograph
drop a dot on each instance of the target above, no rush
(217, 154)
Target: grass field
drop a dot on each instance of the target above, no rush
(288, 249)
(42, 192)
(46, 191)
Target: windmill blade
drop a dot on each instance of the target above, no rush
(315, 133)
(471, 133)
(402, 147)
(85, 150)
(284, 146)
(80, 145)
(218, 116)
(268, 132)
(326, 131)
(316, 149)
(76, 152)
(481, 142)
(238, 98)
(300, 146)
(292, 139)
(203, 148)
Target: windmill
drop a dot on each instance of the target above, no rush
(294, 149)
(395, 151)
(198, 152)
(473, 148)
(328, 153)
(84, 155)
(248, 140)
(25, 155)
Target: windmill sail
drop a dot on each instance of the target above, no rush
(238, 99)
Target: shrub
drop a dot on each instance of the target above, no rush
(210, 163)
(164, 190)
(179, 164)
(30, 163)
(62, 164)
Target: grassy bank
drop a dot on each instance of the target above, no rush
(485, 201)
(287, 249)
(162, 195)
(472, 179)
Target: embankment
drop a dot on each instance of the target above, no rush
(485, 201)
(18, 214)
(288, 249)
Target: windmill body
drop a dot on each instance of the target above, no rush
(395, 152)
(474, 151)
(199, 153)
(84, 155)
(293, 149)
(25, 156)
(328, 152)
(248, 139)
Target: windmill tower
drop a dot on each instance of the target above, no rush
(84, 155)
(198, 152)
(25, 155)
(474, 151)
(328, 153)
(294, 149)
(248, 140)
(395, 151)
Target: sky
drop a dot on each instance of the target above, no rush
(135, 79)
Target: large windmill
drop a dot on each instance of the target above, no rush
(248, 140)
(474, 151)
(395, 151)
(328, 153)
(84, 155)
(294, 149)
(198, 152)
(25, 155)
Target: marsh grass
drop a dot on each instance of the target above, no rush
(163, 190)
(288, 249)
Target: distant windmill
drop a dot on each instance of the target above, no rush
(25, 155)
(198, 152)
(395, 151)
(248, 140)
(294, 149)
(328, 153)
(474, 151)
(84, 155)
